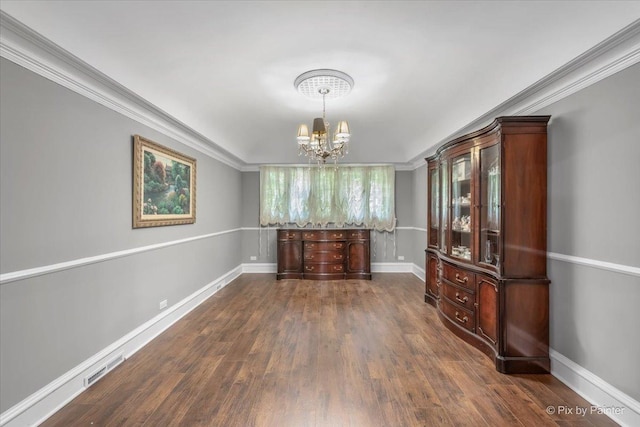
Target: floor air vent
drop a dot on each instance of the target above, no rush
(95, 376)
(115, 362)
(89, 380)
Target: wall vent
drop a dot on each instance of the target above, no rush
(89, 380)
(95, 376)
(115, 362)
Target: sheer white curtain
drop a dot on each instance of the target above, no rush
(318, 196)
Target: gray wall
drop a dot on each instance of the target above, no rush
(66, 184)
(593, 211)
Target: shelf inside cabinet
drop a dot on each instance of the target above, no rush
(489, 231)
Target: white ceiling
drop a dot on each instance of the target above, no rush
(422, 69)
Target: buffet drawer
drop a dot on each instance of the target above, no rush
(323, 268)
(459, 276)
(358, 234)
(289, 235)
(323, 246)
(325, 257)
(459, 296)
(324, 235)
(458, 315)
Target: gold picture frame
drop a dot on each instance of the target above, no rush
(164, 185)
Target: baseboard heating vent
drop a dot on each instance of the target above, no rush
(95, 376)
(103, 370)
(115, 362)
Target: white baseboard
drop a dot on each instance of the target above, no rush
(260, 267)
(376, 267)
(391, 267)
(36, 408)
(619, 406)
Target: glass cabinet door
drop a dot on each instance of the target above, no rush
(434, 208)
(444, 205)
(461, 243)
(490, 244)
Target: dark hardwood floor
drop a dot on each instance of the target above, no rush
(262, 352)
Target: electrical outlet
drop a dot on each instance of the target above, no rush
(163, 304)
(400, 257)
(253, 257)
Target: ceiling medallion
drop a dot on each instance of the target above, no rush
(325, 84)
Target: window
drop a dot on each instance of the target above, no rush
(318, 196)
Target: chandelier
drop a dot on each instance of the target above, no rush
(320, 144)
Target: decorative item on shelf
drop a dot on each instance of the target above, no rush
(455, 224)
(320, 145)
(461, 223)
(465, 223)
(463, 201)
(488, 256)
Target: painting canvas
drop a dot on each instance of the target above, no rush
(164, 185)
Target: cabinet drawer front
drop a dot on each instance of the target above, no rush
(324, 235)
(460, 316)
(289, 235)
(323, 268)
(323, 246)
(328, 257)
(358, 234)
(459, 276)
(459, 296)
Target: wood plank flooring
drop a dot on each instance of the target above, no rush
(263, 352)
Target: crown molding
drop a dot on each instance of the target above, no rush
(254, 167)
(614, 54)
(29, 49)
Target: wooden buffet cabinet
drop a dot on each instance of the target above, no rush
(324, 254)
(486, 245)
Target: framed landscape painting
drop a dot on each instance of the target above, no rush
(164, 185)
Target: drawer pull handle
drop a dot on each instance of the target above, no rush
(461, 280)
(337, 257)
(337, 235)
(465, 319)
(309, 267)
(463, 300)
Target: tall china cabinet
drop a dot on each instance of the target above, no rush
(486, 245)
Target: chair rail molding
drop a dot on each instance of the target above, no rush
(603, 265)
(66, 265)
